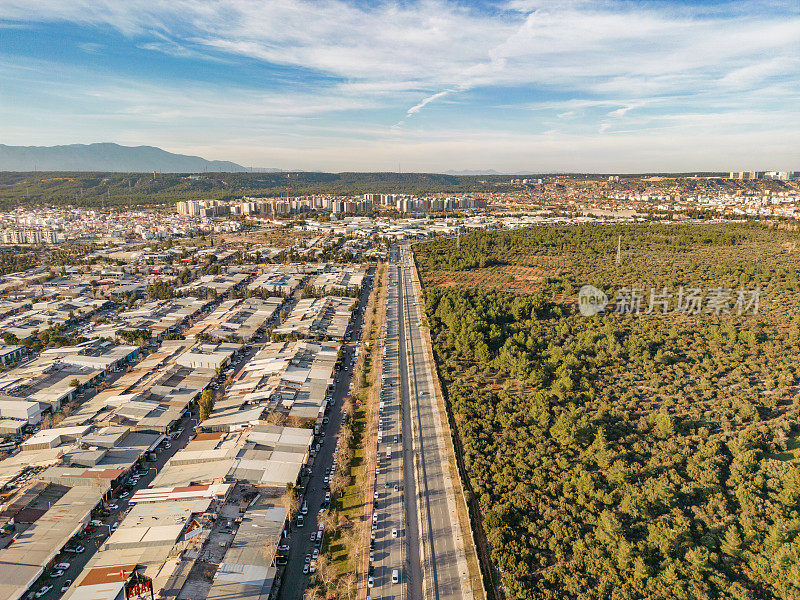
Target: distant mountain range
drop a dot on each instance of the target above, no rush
(474, 172)
(110, 158)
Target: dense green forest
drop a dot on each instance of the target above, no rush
(618, 456)
(116, 190)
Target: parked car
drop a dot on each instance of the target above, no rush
(43, 591)
(62, 566)
(113, 506)
(66, 585)
(55, 574)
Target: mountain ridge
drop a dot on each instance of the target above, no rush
(110, 157)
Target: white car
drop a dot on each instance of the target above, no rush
(113, 506)
(66, 585)
(43, 591)
(305, 569)
(370, 582)
(394, 533)
(62, 566)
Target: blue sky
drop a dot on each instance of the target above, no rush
(429, 85)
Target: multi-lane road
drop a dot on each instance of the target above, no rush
(436, 551)
(394, 520)
(416, 551)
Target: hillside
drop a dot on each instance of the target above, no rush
(106, 157)
(142, 189)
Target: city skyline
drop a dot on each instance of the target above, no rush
(519, 86)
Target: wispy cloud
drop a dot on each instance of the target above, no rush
(417, 107)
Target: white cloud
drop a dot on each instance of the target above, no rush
(425, 101)
(601, 60)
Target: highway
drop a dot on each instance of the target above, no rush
(441, 553)
(391, 552)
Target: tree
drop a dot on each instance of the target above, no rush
(206, 404)
(291, 500)
(75, 383)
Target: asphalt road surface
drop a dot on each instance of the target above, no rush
(441, 559)
(392, 535)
